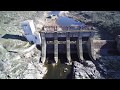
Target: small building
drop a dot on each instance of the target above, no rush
(28, 27)
(29, 32)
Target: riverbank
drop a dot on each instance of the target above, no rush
(19, 65)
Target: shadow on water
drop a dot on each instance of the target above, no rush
(104, 35)
(61, 70)
(10, 36)
(62, 58)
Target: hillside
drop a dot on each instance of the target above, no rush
(104, 20)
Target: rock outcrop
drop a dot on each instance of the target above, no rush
(107, 20)
(86, 71)
(14, 64)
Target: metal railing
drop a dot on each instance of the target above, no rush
(55, 28)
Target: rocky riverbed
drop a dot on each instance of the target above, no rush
(106, 67)
(86, 71)
(21, 65)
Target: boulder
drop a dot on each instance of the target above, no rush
(89, 71)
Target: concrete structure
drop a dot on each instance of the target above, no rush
(65, 37)
(55, 47)
(68, 47)
(80, 47)
(28, 27)
(70, 42)
(29, 32)
(77, 42)
(43, 45)
(90, 47)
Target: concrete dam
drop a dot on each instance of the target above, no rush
(79, 42)
(67, 46)
(74, 42)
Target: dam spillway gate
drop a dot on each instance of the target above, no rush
(74, 42)
(67, 40)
